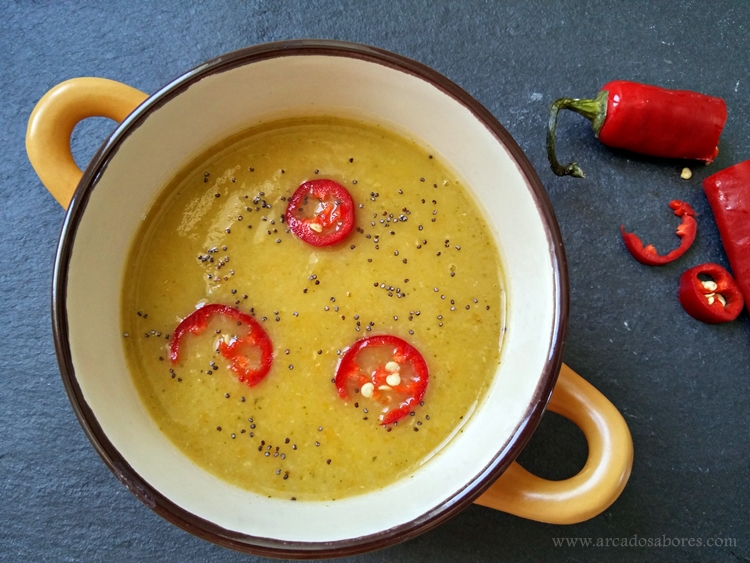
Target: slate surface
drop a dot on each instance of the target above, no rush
(684, 387)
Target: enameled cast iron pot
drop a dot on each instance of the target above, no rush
(156, 137)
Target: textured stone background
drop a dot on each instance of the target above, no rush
(684, 387)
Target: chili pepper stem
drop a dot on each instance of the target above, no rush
(594, 110)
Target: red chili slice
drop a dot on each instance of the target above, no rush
(685, 230)
(236, 348)
(321, 212)
(715, 300)
(386, 369)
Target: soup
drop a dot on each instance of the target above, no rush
(420, 265)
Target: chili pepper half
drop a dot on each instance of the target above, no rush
(387, 370)
(686, 230)
(249, 354)
(647, 120)
(728, 194)
(321, 212)
(715, 299)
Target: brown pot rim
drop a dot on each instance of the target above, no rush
(266, 546)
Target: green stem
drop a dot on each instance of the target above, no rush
(594, 110)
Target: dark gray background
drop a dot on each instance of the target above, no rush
(684, 387)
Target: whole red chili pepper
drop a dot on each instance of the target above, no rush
(686, 230)
(715, 300)
(728, 194)
(647, 120)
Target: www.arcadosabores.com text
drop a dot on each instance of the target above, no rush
(639, 541)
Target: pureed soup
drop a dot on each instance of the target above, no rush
(420, 265)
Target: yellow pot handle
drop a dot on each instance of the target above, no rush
(57, 113)
(600, 481)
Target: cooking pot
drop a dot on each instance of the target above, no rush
(160, 134)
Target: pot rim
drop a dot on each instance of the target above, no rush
(266, 546)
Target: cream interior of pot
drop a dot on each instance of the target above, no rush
(225, 103)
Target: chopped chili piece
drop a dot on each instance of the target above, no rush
(713, 299)
(647, 120)
(728, 194)
(321, 212)
(387, 370)
(686, 230)
(250, 354)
